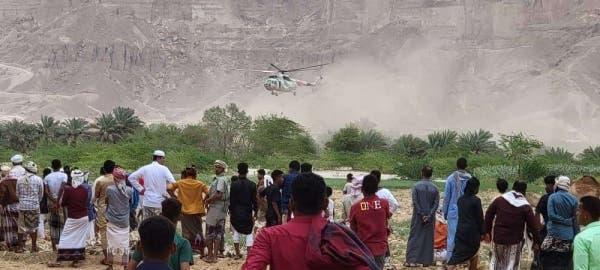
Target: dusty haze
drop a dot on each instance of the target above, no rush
(406, 66)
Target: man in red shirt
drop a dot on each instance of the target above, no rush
(308, 241)
(369, 220)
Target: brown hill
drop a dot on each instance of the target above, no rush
(408, 66)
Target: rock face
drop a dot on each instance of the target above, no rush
(408, 66)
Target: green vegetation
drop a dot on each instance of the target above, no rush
(271, 141)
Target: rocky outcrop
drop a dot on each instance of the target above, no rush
(171, 58)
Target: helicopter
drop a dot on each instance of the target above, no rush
(280, 81)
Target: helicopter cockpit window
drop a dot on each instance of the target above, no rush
(273, 76)
(287, 78)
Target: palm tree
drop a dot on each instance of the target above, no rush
(440, 139)
(590, 155)
(558, 154)
(477, 141)
(19, 135)
(74, 130)
(410, 146)
(48, 127)
(126, 121)
(107, 130)
(372, 140)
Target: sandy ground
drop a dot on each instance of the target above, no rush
(9, 260)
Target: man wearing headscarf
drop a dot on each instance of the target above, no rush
(30, 191)
(505, 220)
(425, 201)
(9, 203)
(71, 246)
(4, 171)
(355, 194)
(118, 200)
(562, 226)
(17, 170)
(217, 204)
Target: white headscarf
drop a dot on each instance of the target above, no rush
(77, 178)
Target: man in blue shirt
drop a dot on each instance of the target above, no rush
(562, 226)
(286, 192)
(455, 187)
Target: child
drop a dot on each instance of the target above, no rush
(273, 194)
(348, 185)
(330, 215)
(369, 220)
(156, 243)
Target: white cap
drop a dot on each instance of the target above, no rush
(16, 159)
(159, 153)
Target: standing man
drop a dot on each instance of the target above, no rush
(425, 201)
(587, 243)
(55, 182)
(10, 211)
(17, 170)
(118, 198)
(273, 197)
(286, 192)
(264, 181)
(156, 177)
(243, 209)
(369, 220)
(455, 187)
(30, 191)
(387, 195)
(562, 227)
(541, 210)
(505, 220)
(217, 204)
(191, 193)
(100, 190)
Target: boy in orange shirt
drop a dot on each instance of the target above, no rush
(191, 193)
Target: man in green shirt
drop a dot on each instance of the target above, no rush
(587, 243)
(182, 258)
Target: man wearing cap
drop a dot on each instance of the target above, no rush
(101, 185)
(217, 205)
(156, 177)
(17, 169)
(562, 226)
(30, 191)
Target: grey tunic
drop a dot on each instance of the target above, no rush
(425, 199)
(117, 210)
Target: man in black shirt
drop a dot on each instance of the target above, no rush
(273, 194)
(243, 208)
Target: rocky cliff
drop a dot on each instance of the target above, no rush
(409, 66)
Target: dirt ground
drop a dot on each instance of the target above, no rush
(400, 221)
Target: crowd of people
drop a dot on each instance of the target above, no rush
(286, 220)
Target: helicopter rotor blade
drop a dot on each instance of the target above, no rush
(257, 70)
(304, 68)
(280, 70)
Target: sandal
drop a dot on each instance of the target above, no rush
(406, 264)
(53, 264)
(77, 264)
(34, 249)
(238, 257)
(103, 262)
(210, 260)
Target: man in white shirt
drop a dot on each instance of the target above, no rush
(54, 183)
(156, 178)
